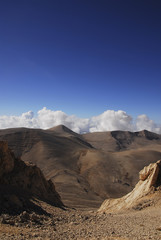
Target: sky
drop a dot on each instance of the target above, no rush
(87, 60)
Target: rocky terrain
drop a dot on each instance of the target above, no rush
(86, 169)
(146, 191)
(20, 183)
(32, 209)
(141, 221)
(78, 224)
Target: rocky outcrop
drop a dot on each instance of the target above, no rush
(21, 182)
(150, 180)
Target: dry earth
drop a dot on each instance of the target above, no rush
(77, 224)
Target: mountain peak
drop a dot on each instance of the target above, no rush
(62, 129)
(147, 134)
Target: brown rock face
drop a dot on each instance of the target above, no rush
(20, 182)
(150, 179)
(6, 159)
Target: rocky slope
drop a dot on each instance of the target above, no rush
(56, 152)
(21, 182)
(144, 224)
(88, 168)
(145, 192)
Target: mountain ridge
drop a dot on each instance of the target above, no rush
(87, 168)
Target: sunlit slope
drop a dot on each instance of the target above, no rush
(88, 168)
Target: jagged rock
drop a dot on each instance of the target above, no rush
(150, 178)
(151, 172)
(20, 182)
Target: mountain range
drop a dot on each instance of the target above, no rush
(86, 168)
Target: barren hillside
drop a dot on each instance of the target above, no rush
(88, 168)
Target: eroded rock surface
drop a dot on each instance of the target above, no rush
(149, 182)
(20, 182)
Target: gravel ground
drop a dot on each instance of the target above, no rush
(80, 224)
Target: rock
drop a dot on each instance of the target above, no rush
(34, 218)
(24, 216)
(6, 159)
(3, 220)
(149, 179)
(151, 172)
(19, 182)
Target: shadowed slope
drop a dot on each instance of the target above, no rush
(56, 153)
(115, 174)
(85, 175)
(20, 182)
(122, 140)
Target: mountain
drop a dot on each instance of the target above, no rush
(56, 152)
(121, 140)
(88, 168)
(20, 183)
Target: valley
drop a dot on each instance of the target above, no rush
(73, 186)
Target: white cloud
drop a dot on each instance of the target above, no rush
(111, 120)
(143, 122)
(47, 118)
(107, 121)
(25, 120)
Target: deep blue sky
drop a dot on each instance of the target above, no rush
(80, 56)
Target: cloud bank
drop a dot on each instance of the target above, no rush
(109, 120)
